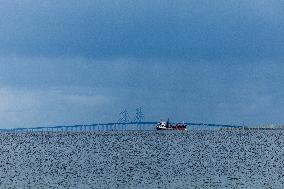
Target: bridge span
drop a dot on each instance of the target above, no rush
(119, 126)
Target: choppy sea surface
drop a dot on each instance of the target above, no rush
(143, 159)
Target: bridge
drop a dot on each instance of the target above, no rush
(119, 126)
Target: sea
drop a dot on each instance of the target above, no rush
(143, 159)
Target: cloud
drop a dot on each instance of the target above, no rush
(56, 91)
(185, 30)
(31, 108)
(72, 62)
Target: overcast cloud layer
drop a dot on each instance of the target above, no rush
(71, 62)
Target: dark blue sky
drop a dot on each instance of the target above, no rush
(70, 62)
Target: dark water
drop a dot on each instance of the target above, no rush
(150, 159)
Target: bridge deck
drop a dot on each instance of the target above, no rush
(146, 125)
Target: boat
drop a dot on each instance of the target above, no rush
(165, 125)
